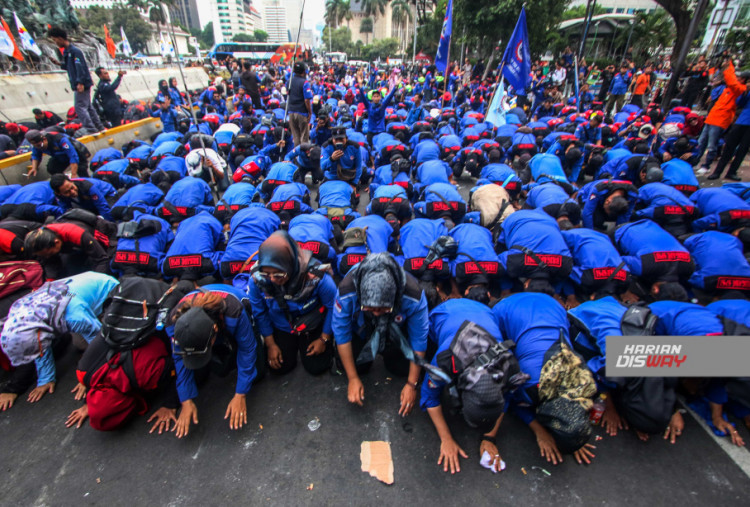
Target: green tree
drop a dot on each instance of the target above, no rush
(488, 21)
(337, 11)
(260, 35)
(365, 27)
(138, 31)
(579, 11)
(401, 14)
(243, 37)
(383, 48)
(682, 11)
(207, 36)
(341, 40)
(652, 33)
(94, 18)
(374, 7)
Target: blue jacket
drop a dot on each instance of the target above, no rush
(75, 64)
(500, 174)
(445, 321)
(92, 196)
(416, 113)
(594, 253)
(684, 319)
(105, 155)
(574, 168)
(313, 232)
(424, 151)
(379, 239)
(742, 189)
(549, 197)
(645, 241)
(668, 147)
(588, 135)
(475, 241)
(247, 230)
(416, 236)
(680, 175)
(269, 315)
(433, 171)
(593, 321)
(376, 112)
(191, 193)
(196, 235)
(335, 194)
(619, 84)
(172, 164)
(547, 167)
(592, 197)
(6, 191)
(59, 146)
(737, 310)
(144, 255)
(719, 262)
(236, 327)
(38, 193)
(533, 321)
(239, 194)
(412, 317)
(350, 161)
(288, 195)
(298, 156)
(720, 209)
(114, 173)
(441, 199)
(168, 118)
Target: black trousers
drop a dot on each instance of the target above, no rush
(393, 358)
(737, 143)
(292, 345)
(58, 165)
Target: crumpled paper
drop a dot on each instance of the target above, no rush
(377, 460)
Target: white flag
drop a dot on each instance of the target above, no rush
(6, 42)
(126, 49)
(26, 41)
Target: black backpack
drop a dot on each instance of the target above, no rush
(136, 309)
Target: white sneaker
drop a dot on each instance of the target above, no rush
(702, 171)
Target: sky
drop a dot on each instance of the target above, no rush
(314, 13)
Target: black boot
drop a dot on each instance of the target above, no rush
(714, 176)
(732, 176)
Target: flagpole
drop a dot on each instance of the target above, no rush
(447, 62)
(214, 188)
(294, 60)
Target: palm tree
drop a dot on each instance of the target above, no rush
(373, 7)
(365, 27)
(401, 14)
(336, 11)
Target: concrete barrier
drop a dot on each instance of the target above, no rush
(13, 169)
(20, 94)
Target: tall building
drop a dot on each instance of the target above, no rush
(383, 25)
(85, 4)
(194, 13)
(721, 19)
(275, 21)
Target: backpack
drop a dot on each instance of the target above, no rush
(136, 308)
(475, 352)
(17, 275)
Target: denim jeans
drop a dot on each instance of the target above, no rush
(709, 141)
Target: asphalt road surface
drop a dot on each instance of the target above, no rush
(277, 460)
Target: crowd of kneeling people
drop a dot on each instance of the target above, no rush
(203, 253)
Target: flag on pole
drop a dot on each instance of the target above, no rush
(111, 49)
(441, 58)
(8, 43)
(26, 41)
(578, 92)
(495, 111)
(126, 49)
(517, 58)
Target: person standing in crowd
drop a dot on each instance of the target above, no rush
(466, 72)
(300, 111)
(618, 88)
(250, 81)
(106, 90)
(697, 79)
(642, 86)
(720, 116)
(606, 76)
(737, 143)
(74, 62)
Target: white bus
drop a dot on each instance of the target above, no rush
(334, 57)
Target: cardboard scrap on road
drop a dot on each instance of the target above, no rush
(377, 461)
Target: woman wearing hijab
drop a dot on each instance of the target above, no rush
(292, 298)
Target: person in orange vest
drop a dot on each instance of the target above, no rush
(721, 115)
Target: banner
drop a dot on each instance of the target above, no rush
(8, 43)
(517, 58)
(27, 42)
(111, 49)
(496, 111)
(441, 58)
(126, 49)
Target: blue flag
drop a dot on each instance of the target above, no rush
(441, 58)
(517, 58)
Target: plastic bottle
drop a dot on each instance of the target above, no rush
(161, 319)
(595, 414)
